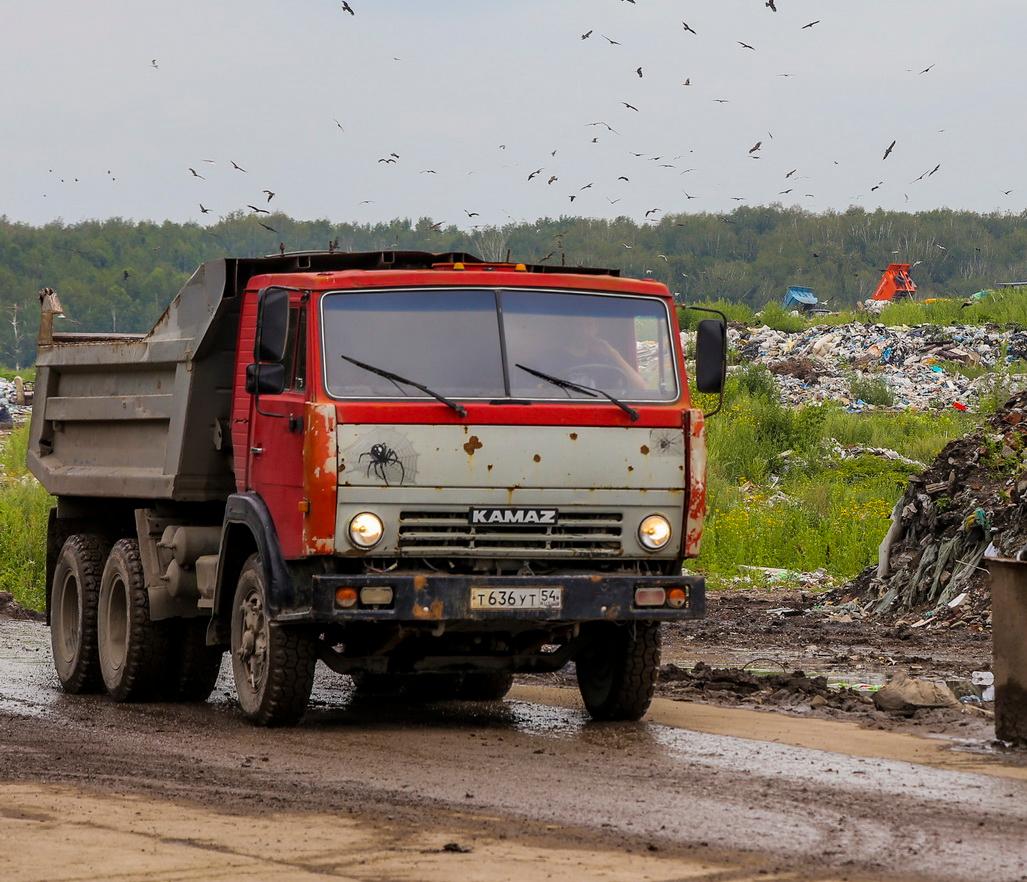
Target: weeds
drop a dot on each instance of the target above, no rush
(805, 510)
(24, 510)
(871, 389)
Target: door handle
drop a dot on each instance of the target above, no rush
(256, 451)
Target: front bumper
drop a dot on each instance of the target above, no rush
(432, 598)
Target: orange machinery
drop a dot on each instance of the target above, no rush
(895, 283)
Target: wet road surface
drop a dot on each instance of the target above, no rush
(657, 799)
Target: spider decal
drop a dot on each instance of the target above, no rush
(380, 457)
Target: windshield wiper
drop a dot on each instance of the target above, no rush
(396, 378)
(577, 387)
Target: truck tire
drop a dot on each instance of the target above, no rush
(485, 686)
(75, 591)
(134, 651)
(273, 666)
(197, 665)
(617, 669)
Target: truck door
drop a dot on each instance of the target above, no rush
(276, 439)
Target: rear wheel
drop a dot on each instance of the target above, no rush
(73, 604)
(134, 651)
(196, 672)
(273, 666)
(617, 669)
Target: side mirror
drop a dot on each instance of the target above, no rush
(272, 325)
(710, 355)
(265, 379)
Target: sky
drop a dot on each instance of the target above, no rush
(106, 105)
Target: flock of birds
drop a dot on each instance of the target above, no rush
(602, 128)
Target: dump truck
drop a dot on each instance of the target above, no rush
(429, 472)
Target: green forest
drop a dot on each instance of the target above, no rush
(119, 275)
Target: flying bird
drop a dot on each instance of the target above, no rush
(266, 227)
(586, 35)
(587, 186)
(770, 5)
(347, 8)
(755, 146)
(387, 160)
(630, 106)
(153, 64)
(933, 170)
(927, 69)
(609, 40)
(236, 166)
(472, 213)
(537, 171)
(688, 29)
(784, 192)
(811, 24)
(552, 179)
(721, 101)
(258, 210)
(652, 211)
(1006, 192)
(623, 178)
(687, 82)
(196, 174)
(605, 125)
(745, 45)
(688, 195)
(428, 171)
(792, 172)
(887, 152)
(877, 186)
(204, 210)
(638, 70)
(269, 193)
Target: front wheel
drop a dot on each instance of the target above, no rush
(617, 668)
(273, 666)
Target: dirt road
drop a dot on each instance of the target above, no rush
(91, 790)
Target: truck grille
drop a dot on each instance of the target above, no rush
(579, 534)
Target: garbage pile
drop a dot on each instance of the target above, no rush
(820, 364)
(15, 402)
(930, 570)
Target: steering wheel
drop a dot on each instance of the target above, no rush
(615, 373)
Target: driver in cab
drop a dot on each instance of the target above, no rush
(589, 359)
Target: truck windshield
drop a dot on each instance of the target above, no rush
(454, 341)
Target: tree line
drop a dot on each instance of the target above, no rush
(119, 275)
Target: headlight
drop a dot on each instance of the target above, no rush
(654, 532)
(366, 529)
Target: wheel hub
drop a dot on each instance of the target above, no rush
(253, 643)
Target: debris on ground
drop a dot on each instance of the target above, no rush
(789, 689)
(823, 363)
(11, 609)
(930, 570)
(904, 695)
(15, 402)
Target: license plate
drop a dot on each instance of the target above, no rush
(508, 599)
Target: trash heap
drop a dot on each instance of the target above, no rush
(819, 364)
(15, 402)
(930, 571)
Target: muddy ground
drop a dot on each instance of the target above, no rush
(527, 788)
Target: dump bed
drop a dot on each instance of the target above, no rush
(141, 416)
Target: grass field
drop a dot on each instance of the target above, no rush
(779, 498)
(24, 508)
